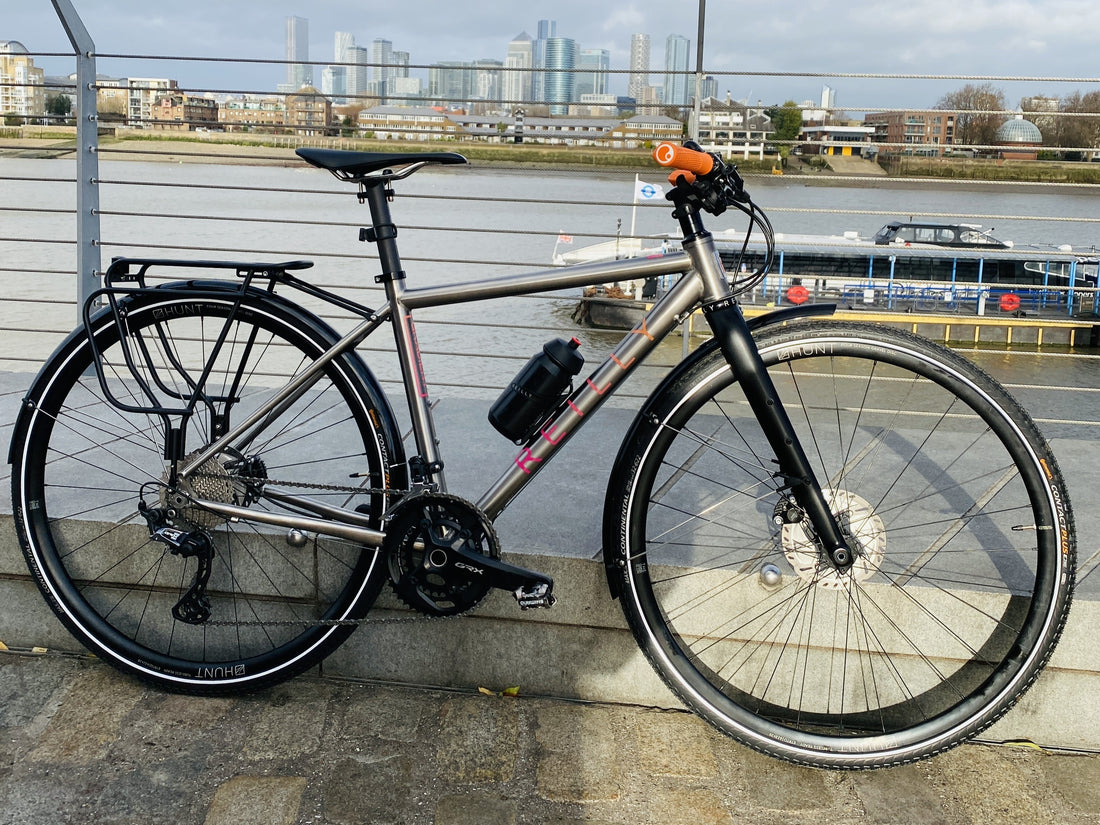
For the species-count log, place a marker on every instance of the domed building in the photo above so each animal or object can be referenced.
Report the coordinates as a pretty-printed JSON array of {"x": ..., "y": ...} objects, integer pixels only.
[{"x": 1019, "y": 139}]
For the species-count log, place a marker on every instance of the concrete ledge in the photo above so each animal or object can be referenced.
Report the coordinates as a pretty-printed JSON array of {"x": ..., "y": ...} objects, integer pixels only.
[{"x": 580, "y": 649}]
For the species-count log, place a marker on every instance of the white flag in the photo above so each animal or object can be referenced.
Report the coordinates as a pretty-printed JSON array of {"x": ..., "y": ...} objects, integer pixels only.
[{"x": 646, "y": 191}]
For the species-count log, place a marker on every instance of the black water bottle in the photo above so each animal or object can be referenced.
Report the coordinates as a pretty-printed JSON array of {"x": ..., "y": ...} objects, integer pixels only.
[{"x": 536, "y": 390}]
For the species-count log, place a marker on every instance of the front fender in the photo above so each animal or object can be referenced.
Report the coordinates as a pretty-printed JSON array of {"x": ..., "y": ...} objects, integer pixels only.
[{"x": 791, "y": 313}]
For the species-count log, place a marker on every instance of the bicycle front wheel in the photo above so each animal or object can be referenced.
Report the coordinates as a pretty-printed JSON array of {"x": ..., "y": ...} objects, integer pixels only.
[
  {"x": 946, "y": 492},
  {"x": 276, "y": 601}
]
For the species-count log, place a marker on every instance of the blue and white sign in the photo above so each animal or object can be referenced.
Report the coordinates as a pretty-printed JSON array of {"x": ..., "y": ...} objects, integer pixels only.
[{"x": 646, "y": 191}]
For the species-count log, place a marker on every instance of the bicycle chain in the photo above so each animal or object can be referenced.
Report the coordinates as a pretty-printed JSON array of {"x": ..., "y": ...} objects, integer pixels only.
[
  {"x": 338, "y": 488},
  {"x": 333, "y": 488}
]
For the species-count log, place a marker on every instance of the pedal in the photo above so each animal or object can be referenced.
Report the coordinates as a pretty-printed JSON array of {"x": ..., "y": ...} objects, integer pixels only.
[{"x": 535, "y": 595}]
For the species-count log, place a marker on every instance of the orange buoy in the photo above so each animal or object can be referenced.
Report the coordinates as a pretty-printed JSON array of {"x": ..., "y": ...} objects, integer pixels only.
[{"x": 798, "y": 294}]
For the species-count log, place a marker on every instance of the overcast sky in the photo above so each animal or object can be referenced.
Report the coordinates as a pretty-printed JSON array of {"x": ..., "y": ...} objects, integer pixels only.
[{"x": 1048, "y": 39}]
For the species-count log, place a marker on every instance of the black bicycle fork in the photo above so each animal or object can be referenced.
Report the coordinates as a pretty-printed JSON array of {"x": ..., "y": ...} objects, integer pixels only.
[{"x": 732, "y": 333}]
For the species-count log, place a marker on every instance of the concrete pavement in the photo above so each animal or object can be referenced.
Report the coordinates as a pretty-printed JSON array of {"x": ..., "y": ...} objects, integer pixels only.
[{"x": 80, "y": 743}]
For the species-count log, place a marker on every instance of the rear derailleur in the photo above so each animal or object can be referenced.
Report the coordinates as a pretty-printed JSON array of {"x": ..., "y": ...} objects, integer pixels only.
[
  {"x": 444, "y": 557},
  {"x": 194, "y": 607}
]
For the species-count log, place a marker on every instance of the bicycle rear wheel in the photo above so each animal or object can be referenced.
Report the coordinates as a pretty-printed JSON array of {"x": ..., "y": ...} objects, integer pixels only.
[
  {"x": 945, "y": 490},
  {"x": 83, "y": 469}
]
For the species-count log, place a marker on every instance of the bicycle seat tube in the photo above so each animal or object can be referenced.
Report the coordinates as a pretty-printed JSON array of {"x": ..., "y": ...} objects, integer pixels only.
[
  {"x": 729, "y": 327},
  {"x": 427, "y": 466}
]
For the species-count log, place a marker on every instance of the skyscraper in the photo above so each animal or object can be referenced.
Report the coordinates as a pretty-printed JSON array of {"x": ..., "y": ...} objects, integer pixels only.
[
  {"x": 547, "y": 30},
  {"x": 639, "y": 66},
  {"x": 357, "y": 76},
  {"x": 334, "y": 82},
  {"x": 382, "y": 57},
  {"x": 677, "y": 58},
  {"x": 341, "y": 43},
  {"x": 298, "y": 72},
  {"x": 592, "y": 69},
  {"x": 516, "y": 88},
  {"x": 561, "y": 60},
  {"x": 334, "y": 79}
]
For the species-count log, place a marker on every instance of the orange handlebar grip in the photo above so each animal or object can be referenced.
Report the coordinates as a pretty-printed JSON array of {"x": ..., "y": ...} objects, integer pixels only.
[{"x": 679, "y": 157}]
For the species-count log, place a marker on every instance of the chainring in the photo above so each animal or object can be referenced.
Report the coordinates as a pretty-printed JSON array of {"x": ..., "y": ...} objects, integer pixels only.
[{"x": 422, "y": 533}]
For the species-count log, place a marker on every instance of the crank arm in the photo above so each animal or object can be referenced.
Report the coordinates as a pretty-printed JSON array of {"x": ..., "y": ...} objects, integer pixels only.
[{"x": 530, "y": 589}]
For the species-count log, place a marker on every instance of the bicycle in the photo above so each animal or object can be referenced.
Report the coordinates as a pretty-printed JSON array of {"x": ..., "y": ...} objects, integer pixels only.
[{"x": 841, "y": 544}]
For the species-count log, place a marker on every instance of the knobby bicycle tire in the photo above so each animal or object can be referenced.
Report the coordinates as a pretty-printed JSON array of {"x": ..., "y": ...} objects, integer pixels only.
[
  {"x": 945, "y": 489},
  {"x": 277, "y": 603}
]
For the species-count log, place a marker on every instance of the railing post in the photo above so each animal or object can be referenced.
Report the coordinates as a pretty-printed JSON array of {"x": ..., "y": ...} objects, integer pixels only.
[{"x": 88, "y": 262}]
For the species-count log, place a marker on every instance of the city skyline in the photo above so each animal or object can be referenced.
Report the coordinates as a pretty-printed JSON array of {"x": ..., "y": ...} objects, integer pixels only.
[
  {"x": 945, "y": 44},
  {"x": 572, "y": 71}
]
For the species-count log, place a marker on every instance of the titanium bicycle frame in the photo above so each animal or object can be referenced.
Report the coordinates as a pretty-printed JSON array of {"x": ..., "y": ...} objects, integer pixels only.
[{"x": 704, "y": 283}]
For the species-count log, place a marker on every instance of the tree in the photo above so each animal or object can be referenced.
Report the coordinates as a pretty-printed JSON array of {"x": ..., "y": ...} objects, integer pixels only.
[
  {"x": 1073, "y": 130},
  {"x": 979, "y": 112},
  {"x": 787, "y": 120},
  {"x": 59, "y": 105}
]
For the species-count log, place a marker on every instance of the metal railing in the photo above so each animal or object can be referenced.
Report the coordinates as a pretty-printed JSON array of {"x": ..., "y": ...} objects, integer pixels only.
[{"x": 271, "y": 212}]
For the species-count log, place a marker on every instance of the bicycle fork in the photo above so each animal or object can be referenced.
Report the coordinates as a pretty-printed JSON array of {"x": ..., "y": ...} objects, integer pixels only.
[{"x": 732, "y": 333}]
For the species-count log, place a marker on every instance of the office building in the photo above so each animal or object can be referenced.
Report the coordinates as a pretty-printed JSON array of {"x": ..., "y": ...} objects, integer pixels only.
[
  {"x": 358, "y": 75},
  {"x": 382, "y": 58},
  {"x": 516, "y": 80},
  {"x": 547, "y": 29},
  {"x": 334, "y": 82},
  {"x": 593, "y": 66},
  {"x": 298, "y": 71},
  {"x": 342, "y": 42},
  {"x": 677, "y": 60},
  {"x": 561, "y": 61}
]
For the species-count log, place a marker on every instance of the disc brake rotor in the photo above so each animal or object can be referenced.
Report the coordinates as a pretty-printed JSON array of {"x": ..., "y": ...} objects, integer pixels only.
[{"x": 864, "y": 531}]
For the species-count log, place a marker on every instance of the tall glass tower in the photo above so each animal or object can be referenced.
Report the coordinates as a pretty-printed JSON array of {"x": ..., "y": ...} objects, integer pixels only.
[
  {"x": 561, "y": 60},
  {"x": 677, "y": 59},
  {"x": 639, "y": 66},
  {"x": 547, "y": 29},
  {"x": 298, "y": 72},
  {"x": 592, "y": 70},
  {"x": 516, "y": 90}
]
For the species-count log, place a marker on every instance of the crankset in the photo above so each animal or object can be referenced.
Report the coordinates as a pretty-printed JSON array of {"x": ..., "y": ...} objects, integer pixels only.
[{"x": 444, "y": 557}]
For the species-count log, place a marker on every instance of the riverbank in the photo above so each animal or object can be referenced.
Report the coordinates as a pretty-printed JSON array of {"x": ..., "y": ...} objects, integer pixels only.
[{"x": 257, "y": 149}]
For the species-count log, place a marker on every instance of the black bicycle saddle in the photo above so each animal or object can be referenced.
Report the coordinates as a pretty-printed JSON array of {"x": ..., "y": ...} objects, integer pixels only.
[{"x": 352, "y": 165}]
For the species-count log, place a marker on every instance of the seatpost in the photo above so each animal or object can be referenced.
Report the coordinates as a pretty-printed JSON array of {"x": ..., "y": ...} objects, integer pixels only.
[
  {"x": 427, "y": 467},
  {"x": 382, "y": 230}
]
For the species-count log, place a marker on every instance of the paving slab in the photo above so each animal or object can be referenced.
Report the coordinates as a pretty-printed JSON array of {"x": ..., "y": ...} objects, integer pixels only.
[{"x": 80, "y": 743}]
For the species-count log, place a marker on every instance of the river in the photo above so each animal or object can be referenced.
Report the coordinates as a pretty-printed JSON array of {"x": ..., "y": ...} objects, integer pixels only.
[
  {"x": 456, "y": 224},
  {"x": 459, "y": 224}
]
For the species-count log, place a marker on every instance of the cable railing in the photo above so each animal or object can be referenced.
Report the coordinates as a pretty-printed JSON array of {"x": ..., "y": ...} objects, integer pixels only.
[{"x": 211, "y": 198}]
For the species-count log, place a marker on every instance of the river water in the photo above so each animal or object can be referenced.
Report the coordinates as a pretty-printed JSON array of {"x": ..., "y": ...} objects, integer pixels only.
[
  {"x": 460, "y": 224},
  {"x": 456, "y": 224}
]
